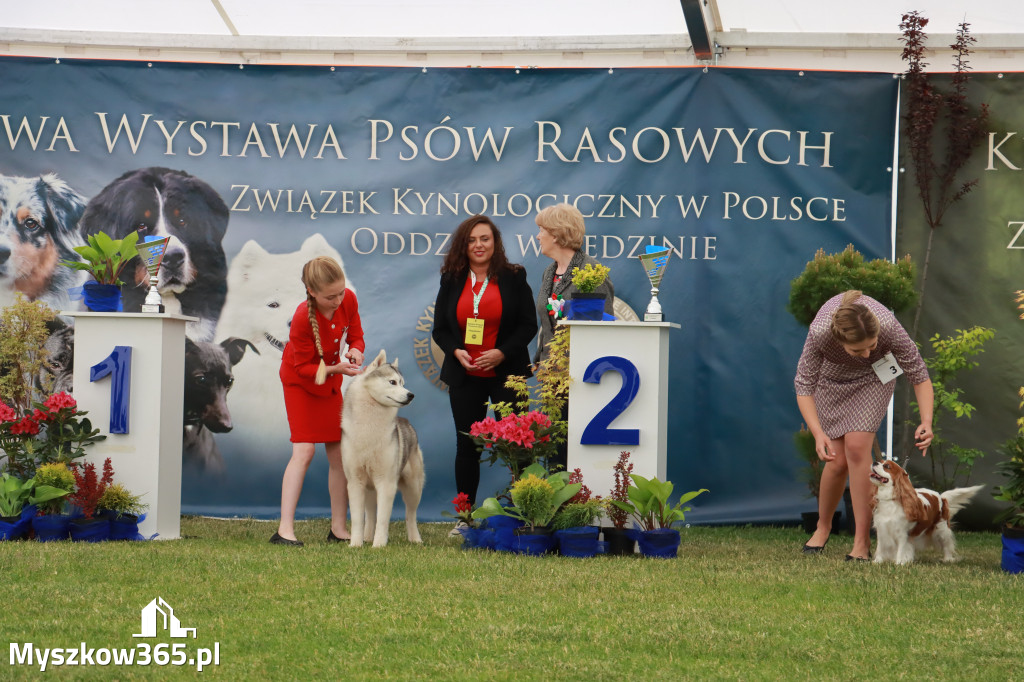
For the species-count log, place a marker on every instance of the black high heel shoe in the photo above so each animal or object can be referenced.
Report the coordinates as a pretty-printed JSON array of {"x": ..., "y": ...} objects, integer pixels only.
[{"x": 808, "y": 549}]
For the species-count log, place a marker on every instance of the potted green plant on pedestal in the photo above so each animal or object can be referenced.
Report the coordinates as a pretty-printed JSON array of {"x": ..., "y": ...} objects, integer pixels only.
[
  {"x": 649, "y": 506},
  {"x": 585, "y": 304},
  {"x": 51, "y": 522},
  {"x": 105, "y": 259},
  {"x": 123, "y": 509}
]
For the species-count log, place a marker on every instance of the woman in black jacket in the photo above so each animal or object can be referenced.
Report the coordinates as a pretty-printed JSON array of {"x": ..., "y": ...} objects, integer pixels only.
[{"x": 484, "y": 319}]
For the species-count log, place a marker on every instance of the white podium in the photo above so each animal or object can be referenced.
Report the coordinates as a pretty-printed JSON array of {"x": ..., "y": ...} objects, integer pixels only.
[
  {"x": 618, "y": 399},
  {"x": 147, "y": 458}
]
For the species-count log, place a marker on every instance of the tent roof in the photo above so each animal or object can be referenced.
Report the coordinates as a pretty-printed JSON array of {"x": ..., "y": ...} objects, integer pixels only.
[{"x": 489, "y": 18}]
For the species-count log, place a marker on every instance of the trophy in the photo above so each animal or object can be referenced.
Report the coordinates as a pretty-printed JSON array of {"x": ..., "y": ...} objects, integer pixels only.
[
  {"x": 151, "y": 251},
  {"x": 654, "y": 262}
]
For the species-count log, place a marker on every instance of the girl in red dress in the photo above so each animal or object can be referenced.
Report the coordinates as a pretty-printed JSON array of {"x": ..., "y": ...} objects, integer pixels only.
[{"x": 312, "y": 369}]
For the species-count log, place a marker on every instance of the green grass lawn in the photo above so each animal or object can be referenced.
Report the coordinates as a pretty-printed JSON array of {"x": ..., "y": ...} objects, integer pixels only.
[{"x": 738, "y": 603}]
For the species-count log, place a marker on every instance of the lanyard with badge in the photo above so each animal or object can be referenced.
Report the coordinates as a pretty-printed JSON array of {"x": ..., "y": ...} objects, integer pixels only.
[{"x": 474, "y": 325}]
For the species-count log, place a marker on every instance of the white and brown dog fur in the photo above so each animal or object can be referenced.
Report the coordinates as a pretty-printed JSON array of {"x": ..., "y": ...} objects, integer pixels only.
[
  {"x": 907, "y": 518},
  {"x": 38, "y": 229},
  {"x": 380, "y": 453}
]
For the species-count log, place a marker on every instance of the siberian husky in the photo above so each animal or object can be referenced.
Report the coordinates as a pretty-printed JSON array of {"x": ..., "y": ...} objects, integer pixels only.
[{"x": 380, "y": 453}]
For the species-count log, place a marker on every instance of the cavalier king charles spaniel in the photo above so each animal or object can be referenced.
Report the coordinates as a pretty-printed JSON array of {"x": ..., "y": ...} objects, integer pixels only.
[{"x": 907, "y": 518}]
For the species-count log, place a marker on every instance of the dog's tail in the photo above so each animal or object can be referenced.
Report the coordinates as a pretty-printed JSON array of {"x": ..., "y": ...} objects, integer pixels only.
[{"x": 957, "y": 498}]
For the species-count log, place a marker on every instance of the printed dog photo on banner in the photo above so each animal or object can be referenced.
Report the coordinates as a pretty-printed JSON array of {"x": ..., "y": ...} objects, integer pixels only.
[
  {"x": 160, "y": 202},
  {"x": 39, "y": 219},
  {"x": 263, "y": 290}
]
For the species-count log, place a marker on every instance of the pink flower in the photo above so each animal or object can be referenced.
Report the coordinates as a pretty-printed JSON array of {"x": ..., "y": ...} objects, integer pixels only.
[
  {"x": 483, "y": 428},
  {"x": 26, "y": 426},
  {"x": 58, "y": 401},
  {"x": 7, "y": 413}
]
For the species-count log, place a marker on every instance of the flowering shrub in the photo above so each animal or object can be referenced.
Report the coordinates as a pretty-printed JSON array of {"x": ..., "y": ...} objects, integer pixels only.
[
  {"x": 517, "y": 440},
  {"x": 622, "y": 469},
  {"x": 56, "y": 431},
  {"x": 89, "y": 490},
  {"x": 589, "y": 277},
  {"x": 463, "y": 510}
]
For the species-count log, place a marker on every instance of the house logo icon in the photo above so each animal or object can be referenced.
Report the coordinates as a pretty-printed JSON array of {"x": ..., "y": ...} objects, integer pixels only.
[{"x": 158, "y": 611}]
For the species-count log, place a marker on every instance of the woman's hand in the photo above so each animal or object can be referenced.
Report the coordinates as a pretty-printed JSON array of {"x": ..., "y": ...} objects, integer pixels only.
[
  {"x": 490, "y": 359},
  {"x": 355, "y": 357},
  {"x": 923, "y": 435},
  {"x": 462, "y": 355},
  {"x": 821, "y": 446},
  {"x": 349, "y": 369}
]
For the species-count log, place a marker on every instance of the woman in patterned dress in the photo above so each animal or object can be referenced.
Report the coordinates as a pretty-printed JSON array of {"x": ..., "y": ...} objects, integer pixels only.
[{"x": 843, "y": 402}]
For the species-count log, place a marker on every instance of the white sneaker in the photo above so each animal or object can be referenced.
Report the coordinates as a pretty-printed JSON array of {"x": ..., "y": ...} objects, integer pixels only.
[{"x": 457, "y": 530}]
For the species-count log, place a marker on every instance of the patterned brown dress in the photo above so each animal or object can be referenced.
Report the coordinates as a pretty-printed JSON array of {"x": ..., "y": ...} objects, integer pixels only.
[{"x": 847, "y": 393}]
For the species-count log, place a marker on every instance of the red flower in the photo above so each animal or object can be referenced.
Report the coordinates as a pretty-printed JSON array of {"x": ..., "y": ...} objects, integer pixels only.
[
  {"x": 462, "y": 503},
  {"x": 7, "y": 413},
  {"x": 59, "y": 401},
  {"x": 41, "y": 416},
  {"x": 27, "y": 426}
]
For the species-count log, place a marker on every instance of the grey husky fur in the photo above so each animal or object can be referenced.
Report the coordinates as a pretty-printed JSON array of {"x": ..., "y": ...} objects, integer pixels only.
[{"x": 380, "y": 453}]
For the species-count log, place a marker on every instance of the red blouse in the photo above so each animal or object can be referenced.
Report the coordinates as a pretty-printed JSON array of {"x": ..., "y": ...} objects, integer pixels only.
[
  {"x": 301, "y": 359},
  {"x": 489, "y": 311}
]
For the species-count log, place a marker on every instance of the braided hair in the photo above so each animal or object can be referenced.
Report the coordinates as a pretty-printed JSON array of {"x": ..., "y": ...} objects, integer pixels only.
[
  {"x": 317, "y": 274},
  {"x": 853, "y": 322}
]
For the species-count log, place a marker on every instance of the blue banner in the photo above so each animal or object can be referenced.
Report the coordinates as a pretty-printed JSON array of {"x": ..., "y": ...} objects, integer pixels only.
[{"x": 744, "y": 174}]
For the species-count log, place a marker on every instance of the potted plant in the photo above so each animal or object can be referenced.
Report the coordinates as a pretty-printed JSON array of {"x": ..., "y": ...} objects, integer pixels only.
[
  {"x": 123, "y": 509},
  {"x": 575, "y": 533},
  {"x": 536, "y": 498},
  {"x": 518, "y": 440},
  {"x": 18, "y": 501},
  {"x": 88, "y": 491},
  {"x": 1012, "y": 491},
  {"x": 585, "y": 304},
  {"x": 617, "y": 535},
  {"x": 105, "y": 259},
  {"x": 649, "y": 506},
  {"x": 51, "y": 523},
  {"x": 55, "y": 431},
  {"x": 467, "y": 527}
]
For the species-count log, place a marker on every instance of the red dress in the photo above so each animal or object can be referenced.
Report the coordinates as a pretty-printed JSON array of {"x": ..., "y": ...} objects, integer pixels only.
[{"x": 314, "y": 412}]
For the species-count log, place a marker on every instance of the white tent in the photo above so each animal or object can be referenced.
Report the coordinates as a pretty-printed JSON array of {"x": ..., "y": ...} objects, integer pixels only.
[{"x": 765, "y": 33}]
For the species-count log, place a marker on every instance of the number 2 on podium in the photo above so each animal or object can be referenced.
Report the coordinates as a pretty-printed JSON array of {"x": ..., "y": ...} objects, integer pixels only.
[
  {"x": 597, "y": 431},
  {"x": 119, "y": 366}
]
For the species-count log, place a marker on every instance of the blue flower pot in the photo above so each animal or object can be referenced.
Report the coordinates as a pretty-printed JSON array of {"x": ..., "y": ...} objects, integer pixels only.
[
  {"x": 660, "y": 542},
  {"x": 51, "y": 527},
  {"x": 585, "y": 307},
  {"x": 504, "y": 532},
  {"x": 124, "y": 527},
  {"x": 96, "y": 529},
  {"x": 102, "y": 298},
  {"x": 534, "y": 543},
  {"x": 1013, "y": 550},
  {"x": 580, "y": 541}
]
